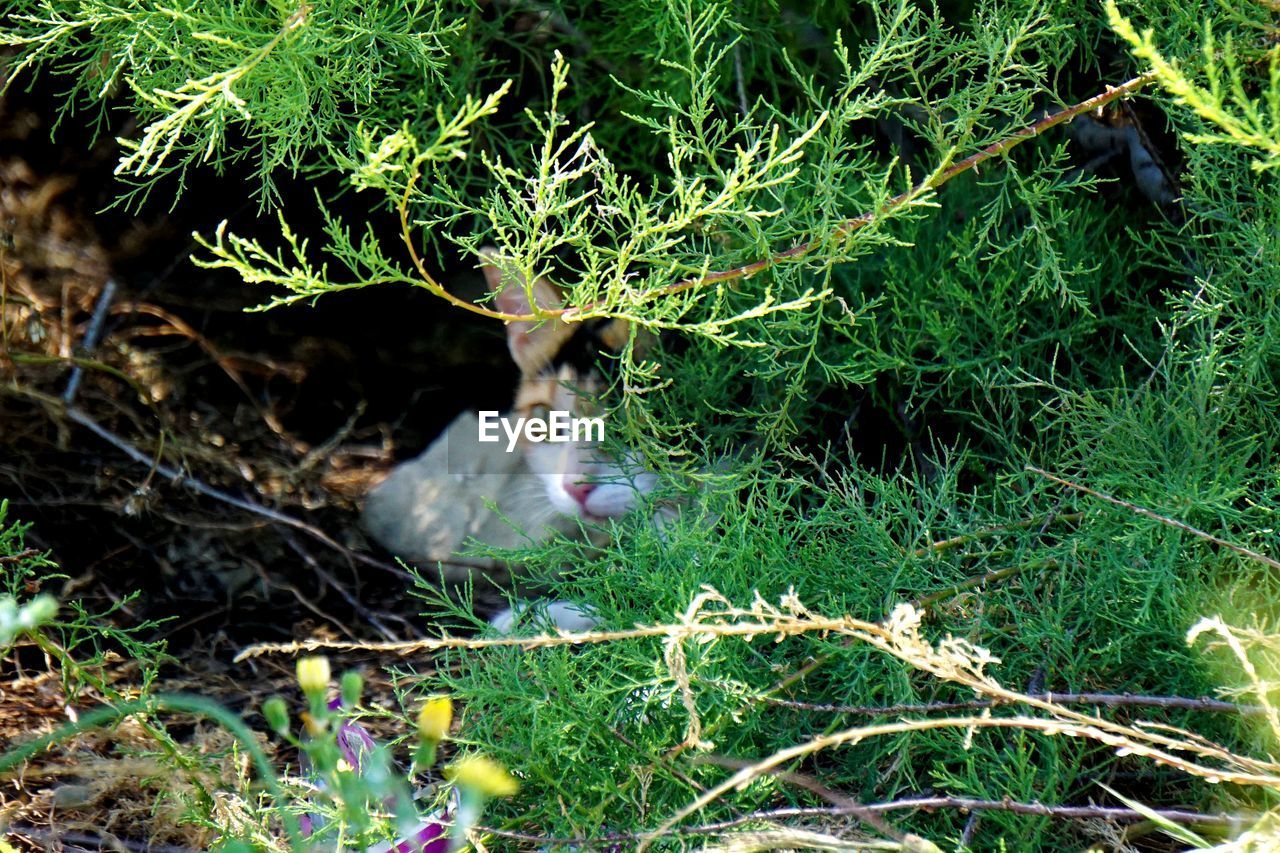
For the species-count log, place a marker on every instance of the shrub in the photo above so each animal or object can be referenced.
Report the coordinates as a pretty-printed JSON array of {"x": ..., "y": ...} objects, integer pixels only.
[{"x": 1025, "y": 394}]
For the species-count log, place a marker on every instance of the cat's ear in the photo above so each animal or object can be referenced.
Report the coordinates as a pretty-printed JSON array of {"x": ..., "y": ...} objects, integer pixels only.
[
  {"x": 616, "y": 333},
  {"x": 532, "y": 344}
]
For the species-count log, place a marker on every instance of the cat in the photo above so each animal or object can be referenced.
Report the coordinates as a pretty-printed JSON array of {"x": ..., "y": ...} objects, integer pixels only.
[
  {"x": 429, "y": 507},
  {"x": 561, "y": 370}
]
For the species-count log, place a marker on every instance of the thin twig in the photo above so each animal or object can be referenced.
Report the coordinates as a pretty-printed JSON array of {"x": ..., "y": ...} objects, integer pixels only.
[
  {"x": 91, "y": 336},
  {"x": 664, "y": 760},
  {"x": 428, "y": 280},
  {"x": 898, "y": 201},
  {"x": 105, "y": 841},
  {"x": 897, "y": 636},
  {"x": 175, "y": 475},
  {"x": 1111, "y": 813},
  {"x": 1155, "y": 516},
  {"x": 1110, "y": 700},
  {"x": 928, "y": 601},
  {"x": 966, "y": 538},
  {"x": 836, "y": 798},
  {"x": 19, "y": 557},
  {"x": 354, "y": 603},
  {"x": 1096, "y": 731}
]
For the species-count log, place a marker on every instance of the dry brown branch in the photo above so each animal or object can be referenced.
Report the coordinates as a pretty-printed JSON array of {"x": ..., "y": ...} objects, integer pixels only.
[
  {"x": 1124, "y": 745},
  {"x": 1155, "y": 516},
  {"x": 573, "y": 314},
  {"x": 846, "y": 803},
  {"x": 337, "y": 586},
  {"x": 923, "y": 603},
  {"x": 958, "y": 661},
  {"x": 952, "y": 659},
  {"x": 1110, "y": 700},
  {"x": 175, "y": 475},
  {"x": 1090, "y": 812}
]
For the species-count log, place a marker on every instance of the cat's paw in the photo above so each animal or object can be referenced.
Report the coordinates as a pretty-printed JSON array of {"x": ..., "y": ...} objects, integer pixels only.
[{"x": 544, "y": 616}]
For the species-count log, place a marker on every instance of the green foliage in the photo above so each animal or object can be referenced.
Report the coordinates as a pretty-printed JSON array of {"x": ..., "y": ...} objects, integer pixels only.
[
  {"x": 210, "y": 83},
  {"x": 835, "y": 413},
  {"x": 20, "y": 566},
  {"x": 1223, "y": 100},
  {"x": 82, "y": 641},
  {"x": 83, "y": 645}
]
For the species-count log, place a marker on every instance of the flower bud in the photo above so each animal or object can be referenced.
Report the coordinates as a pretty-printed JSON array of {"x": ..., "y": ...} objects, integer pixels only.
[
  {"x": 434, "y": 719},
  {"x": 277, "y": 714},
  {"x": 313, "y": 675},
  {"x": 482, "y": 775},
  {"x": 352, "y": 685}
]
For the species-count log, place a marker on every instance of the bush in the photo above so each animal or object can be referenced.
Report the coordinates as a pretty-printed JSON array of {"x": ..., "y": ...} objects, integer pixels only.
[{"x": 1037, "y": 395}]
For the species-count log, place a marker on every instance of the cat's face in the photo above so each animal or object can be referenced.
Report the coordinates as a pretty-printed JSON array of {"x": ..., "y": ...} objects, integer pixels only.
[{"x": 560, "y": 366}]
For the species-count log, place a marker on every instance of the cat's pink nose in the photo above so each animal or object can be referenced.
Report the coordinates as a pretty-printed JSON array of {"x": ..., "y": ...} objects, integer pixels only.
[{"x": 580, "y": 491}]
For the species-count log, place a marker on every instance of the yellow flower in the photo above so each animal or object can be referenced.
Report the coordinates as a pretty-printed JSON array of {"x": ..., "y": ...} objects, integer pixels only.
[
  {"x": 313, "y": 674},
  {"x": 434, "y": 718},
  {"x": 483, "y": 775}
]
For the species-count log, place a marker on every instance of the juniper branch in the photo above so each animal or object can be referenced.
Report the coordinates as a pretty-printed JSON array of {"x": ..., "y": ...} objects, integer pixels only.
[
  {"x": 941, "y": 176},
  {"x": 1163, "y": 519}
]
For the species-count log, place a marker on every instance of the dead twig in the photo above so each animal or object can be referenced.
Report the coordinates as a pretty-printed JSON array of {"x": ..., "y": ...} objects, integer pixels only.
[
  {"x": 1097, "y": 731},
  {"x": 178, "y": 326},
  {"x": 175, "y": 475},
  {"x": 324, "y": 575},
  {"x": 837, "y": 798},
  {"x": 966, "y": 804},
  {"x": 302, "y": 598},
  {"x": 928, "y": 601},
  {"x": 105, "y": 841},
  {"x": 1110, "y": 700},
  {"x": 91, "y": 338}
]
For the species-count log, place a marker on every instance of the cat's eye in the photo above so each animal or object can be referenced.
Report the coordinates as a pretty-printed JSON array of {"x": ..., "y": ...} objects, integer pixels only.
[{"x": 539, "y": 412}]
